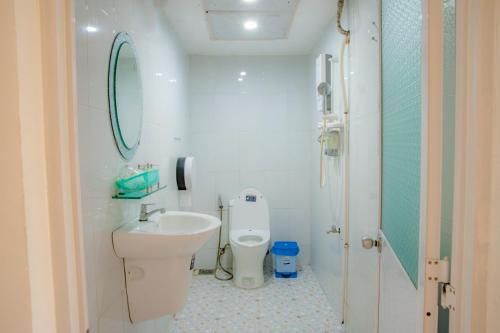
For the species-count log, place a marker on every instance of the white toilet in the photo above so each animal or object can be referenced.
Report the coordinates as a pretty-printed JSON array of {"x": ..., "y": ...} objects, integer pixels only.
[{"x": 249, "y": 237}]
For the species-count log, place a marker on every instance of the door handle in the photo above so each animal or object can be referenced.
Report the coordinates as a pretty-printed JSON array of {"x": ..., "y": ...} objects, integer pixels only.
[{"x": 368, "y": 243}]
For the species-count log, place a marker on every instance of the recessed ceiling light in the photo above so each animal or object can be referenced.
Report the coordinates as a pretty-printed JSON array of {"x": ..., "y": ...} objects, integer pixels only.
[
  {"x": 91, "y": 28},
  {"x": 250, "y": 25},
  {"x": 240, "y": 79},
  {"x": 249, "y": 1},
  {"x": 243, "y": 73}
]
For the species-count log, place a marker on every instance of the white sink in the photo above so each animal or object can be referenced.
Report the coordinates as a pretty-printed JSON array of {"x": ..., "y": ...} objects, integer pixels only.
[
  {"x": 166, "y": 235},
  {"x": 157, "y": 257}
]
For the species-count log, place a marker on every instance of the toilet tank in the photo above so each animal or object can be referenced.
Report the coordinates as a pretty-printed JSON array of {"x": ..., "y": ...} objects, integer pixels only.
[{"x": 249, "y": 211}]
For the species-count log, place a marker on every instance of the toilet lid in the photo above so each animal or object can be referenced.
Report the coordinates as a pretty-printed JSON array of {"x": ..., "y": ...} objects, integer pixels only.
[{"x": 250, "y": 211}]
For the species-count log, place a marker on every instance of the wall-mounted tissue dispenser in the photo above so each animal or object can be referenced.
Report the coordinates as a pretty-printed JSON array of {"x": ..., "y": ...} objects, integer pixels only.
[{"x": 184, "y": 173}]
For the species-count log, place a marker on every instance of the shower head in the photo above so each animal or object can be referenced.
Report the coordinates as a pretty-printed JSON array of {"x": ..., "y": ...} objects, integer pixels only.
[{"x": 324, "y": 89}]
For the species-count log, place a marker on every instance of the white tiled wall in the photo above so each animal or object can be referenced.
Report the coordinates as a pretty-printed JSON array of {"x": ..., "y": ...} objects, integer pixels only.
[
  {"x": 164, "y": 70},
  {"x": 362, "y": 59},
  {"x": 253, "y": 133},
  {"x": 327, "y": 207},
  {"x": 365, "y": 150}
]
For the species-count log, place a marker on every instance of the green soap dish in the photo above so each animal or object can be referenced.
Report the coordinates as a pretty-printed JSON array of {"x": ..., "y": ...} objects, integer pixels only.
[{"x": 139, "y": 182}]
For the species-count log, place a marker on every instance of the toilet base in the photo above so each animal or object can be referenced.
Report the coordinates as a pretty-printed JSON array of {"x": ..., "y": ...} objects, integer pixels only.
[
  {"x": 248, "y": 282},
  {"x": 248, "y": 275}
]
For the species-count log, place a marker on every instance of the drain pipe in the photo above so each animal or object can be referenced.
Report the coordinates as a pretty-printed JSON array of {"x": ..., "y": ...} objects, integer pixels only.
[{"x": 345, "y": 262}]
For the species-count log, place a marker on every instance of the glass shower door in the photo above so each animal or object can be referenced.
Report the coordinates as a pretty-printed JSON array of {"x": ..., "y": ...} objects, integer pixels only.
[{"x": 401, "y": 164}]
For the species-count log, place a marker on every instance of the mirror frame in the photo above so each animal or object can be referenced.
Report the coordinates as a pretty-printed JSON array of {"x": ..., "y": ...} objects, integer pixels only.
[{"x": 126, "y": 152}]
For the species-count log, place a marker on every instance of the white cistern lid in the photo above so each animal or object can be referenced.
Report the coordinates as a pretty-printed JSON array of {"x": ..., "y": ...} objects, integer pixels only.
[{"x": 250, "y": 211}]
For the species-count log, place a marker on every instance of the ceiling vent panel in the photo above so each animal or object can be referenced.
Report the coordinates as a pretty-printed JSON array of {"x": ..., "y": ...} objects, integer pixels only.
[
  {"x": 251, "y": 5},
  {"x": 231, "y": 26},
  {"x": 272, "y": 19}
]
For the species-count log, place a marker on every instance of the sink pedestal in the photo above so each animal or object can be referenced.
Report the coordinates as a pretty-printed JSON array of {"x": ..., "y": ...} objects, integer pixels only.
[
  {"x": 156, "y": 287},
  {"x": 157, "y": 257}
]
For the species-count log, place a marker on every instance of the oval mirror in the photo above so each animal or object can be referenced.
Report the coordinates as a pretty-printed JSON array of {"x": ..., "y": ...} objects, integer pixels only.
[{"x": 125, "y": 95}]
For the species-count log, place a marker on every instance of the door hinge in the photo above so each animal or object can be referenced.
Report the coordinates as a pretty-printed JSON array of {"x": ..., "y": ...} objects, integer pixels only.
[
  {"x": 438, "y": 270},
  {"x": 448, "y": 297}
]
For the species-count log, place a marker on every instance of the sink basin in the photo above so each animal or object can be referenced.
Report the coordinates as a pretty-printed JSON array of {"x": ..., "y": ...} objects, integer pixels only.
[
  {"x": 166, "y": 235},
  {"x": 157, "y": 256}
]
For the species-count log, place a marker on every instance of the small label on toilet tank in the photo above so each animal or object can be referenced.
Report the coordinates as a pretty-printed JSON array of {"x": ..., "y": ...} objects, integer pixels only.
[{"x": 251, "y": 198}]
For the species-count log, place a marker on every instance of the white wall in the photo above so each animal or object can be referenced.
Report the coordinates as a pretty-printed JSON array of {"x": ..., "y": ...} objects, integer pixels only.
[
  {"x": 254, "y": 133},
  {"x": 365, "y": 154},
  {"x": 362, "y": 71},
  {"x": 326, "y": 203},
  {"x": 164, "y": 137}
]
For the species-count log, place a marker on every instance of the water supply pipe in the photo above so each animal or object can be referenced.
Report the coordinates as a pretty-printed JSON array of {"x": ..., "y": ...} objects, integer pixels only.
[{"x": 345, "y": 262}]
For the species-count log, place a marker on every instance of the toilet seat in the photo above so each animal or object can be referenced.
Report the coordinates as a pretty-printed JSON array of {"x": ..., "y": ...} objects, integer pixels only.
[{"x": 250, "y": 238}]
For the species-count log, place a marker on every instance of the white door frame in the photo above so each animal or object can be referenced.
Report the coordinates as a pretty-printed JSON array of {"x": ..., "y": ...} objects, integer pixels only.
[
  {"x": 432, "y": 155},
  {"x": 476, "y": 234},
  {"x": 474, "y": 269}
]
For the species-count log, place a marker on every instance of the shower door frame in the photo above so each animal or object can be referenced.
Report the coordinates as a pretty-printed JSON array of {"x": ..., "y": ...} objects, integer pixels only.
[
  {"x": 432, "y": 159},
  {"x": 475, "y": 105}
]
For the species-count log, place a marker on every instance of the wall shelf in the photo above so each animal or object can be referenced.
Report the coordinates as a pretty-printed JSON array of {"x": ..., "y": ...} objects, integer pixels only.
[{"x": 138, "y": 194}]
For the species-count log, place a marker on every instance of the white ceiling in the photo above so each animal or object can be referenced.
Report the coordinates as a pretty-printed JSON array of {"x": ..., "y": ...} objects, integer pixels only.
[{"x": 194, "y": 28}]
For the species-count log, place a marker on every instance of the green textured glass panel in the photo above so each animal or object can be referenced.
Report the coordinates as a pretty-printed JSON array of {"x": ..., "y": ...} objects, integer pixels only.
[
  {"x": 449, "y": 89},
  {"x": 401, "y": 129}
]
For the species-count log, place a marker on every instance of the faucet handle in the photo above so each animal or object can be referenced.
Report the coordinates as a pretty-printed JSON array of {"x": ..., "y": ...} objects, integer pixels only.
[{"x": 144, "y": 206}]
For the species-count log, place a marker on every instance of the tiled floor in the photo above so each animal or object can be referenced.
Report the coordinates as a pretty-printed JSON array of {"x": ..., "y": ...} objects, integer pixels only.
[{"x": 281, "y": 305}]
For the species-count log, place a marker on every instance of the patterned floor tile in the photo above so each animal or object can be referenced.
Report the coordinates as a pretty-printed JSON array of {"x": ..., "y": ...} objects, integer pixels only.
[{"x": 281, "y": 305}]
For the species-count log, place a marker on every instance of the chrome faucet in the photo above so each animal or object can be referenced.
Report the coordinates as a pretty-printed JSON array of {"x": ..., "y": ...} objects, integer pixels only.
[{"x": 144, "y": 216}]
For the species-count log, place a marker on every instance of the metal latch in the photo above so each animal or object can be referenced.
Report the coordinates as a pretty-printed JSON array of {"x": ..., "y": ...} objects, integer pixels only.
[
  {"x": 448, "y": 297},
  {"x": 438, "y": 270}
]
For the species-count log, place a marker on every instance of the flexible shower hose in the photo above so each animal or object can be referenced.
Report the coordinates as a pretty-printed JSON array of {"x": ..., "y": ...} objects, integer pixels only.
[
  {"x": 322, "y": 178},
  {"x": 221, "y": 251}
]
